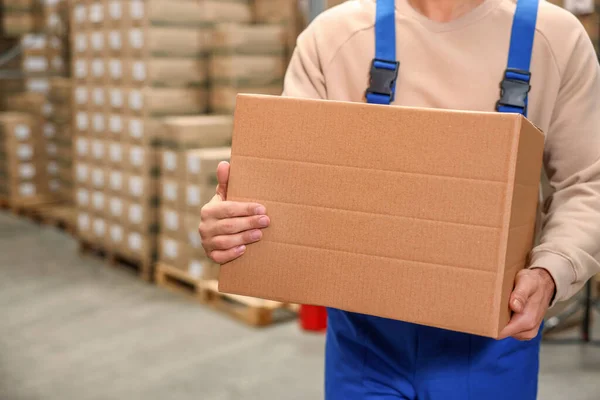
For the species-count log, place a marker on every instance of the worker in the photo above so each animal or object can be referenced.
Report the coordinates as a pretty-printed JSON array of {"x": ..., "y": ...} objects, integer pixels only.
[{"x": 528, "y": 57}]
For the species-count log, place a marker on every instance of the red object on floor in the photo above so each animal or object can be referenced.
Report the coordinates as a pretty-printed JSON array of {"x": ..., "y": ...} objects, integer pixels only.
[{"x": 313, "y": 318}]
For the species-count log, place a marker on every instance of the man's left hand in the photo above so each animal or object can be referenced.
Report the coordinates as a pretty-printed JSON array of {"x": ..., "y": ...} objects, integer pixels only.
[{"x": 534, "y": 289}]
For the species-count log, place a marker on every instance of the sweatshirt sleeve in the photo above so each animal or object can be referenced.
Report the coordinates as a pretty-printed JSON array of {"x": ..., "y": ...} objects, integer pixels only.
[
  {"x": 569, "y": 246},
  {"x": 304, "y": 76}
]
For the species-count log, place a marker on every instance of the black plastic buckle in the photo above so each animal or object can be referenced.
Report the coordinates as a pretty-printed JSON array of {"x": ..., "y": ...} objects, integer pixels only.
[
  {"x": 382, "y": 79},
  {"x": 514, "y": 90}
]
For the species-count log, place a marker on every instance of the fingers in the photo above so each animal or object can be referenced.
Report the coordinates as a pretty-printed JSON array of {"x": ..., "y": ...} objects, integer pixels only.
[
  {"x": 230, "y": 209},
  {"x": 226, "y": 242},
  {"x": 525, "y": 287},
  {"x": 521, "y": 326},
  {"x": 225, "y": 256},
  {"x": 222, "y": 179}
]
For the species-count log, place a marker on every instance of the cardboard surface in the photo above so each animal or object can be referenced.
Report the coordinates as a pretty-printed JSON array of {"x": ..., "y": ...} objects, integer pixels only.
[{"x": 413, "y": 214}]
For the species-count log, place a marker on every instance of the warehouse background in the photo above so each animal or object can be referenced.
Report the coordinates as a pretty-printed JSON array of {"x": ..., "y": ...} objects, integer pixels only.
[{"x": 114, "y": 115}]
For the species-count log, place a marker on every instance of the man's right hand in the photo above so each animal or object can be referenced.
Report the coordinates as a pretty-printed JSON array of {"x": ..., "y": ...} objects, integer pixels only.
[{"x": 226, "y": 227}]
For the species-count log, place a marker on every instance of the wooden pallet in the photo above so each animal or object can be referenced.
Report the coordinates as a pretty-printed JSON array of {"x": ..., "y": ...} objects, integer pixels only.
[
  {"x": 142, "y": 268},
  {"x": 249, "y": 310},
  {"x": 61, "y": 216}
]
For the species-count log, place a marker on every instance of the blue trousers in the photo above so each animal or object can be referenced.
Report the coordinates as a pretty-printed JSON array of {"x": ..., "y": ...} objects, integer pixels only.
[{"x": 370, "y": 358}]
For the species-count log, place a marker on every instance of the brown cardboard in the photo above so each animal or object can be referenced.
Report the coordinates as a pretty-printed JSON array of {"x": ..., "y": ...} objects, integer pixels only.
[
  {"x": 229, "y": 38},
  {"x": 173, "y": 252},
  {"x": 84, "y": 224},
  {"x": 98, "y": 178},
  {"x": 196, "y": 196},
  {"x": 222, "y": 96},
  {"x": 172, "y": 193},
  {"x": 181, "y": 134},
  {"x": 167, "y": 41},
  {"x": 153, "y": 101},
  {"x": 82, "y": 174},
  {"x": 247, "y": 69},
  {"x": 82, "y": 198},
  {"x": 274, "y": 11},
  {"x": 201, "y": 165},
  {"x": 98, "y": 202},
  {"x": 117, "y": 209},
  {"x": 117, "y": 236},
  {"x": 164, "y": 72},
  {"x": 117, "y": 181},
  {"x": 424, "y": 216},
  {"x": 164, "y": 12},
  {"x": 140, "y": 217},
  {"x": 226, "y": 11},
  {"x": 172, "y": 224}
]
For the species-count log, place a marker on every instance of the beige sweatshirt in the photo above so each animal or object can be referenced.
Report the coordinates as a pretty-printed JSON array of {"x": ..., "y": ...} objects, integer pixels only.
[{"x": 459, "y": 65}]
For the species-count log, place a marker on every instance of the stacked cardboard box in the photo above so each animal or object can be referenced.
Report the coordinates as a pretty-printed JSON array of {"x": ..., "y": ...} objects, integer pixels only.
[
  {"x": 57, "y": 130},
  {"x": 19, "y": 171},
  {"x": 134, "y": 63},
  {"x": 19, "y": 17},
  {"x": 286, "y": 13},
  {"x": 39, "y": 109},
  {"x": 191, "y": 149},
  {"x": 245, "y": 59}
]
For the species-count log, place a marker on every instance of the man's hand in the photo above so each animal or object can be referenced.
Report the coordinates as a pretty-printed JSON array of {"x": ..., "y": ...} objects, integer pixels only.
[
  {"x": 226, "y": 227},
  {"x": 529, "y": 300}
]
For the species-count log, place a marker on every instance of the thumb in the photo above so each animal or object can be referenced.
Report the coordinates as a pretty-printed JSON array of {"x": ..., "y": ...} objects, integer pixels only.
[
  {"x": 524, "y": 288},
  {"x": 222, "y": 179}
]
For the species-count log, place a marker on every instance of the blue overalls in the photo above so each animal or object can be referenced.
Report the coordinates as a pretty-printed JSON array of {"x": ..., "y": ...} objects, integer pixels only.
[{"x": 371, "y": 358}]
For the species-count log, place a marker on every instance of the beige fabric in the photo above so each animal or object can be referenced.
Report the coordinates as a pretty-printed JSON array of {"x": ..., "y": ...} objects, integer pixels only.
[{"x": 458, "y": 65}]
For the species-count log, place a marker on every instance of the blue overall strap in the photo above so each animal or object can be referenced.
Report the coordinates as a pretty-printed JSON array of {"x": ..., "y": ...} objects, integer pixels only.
[
  {"x": 516, "y": 83},
  {"x": 384, "y": 67}
]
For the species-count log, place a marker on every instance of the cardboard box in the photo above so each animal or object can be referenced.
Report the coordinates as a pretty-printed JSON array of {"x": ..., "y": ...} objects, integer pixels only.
[
  {"x": 116, "y": 210},
  {"x": 98, "y": 178},
  {"x": 167, "y": 72},
  {"x": 222, "y": 96},
  {"x": 173, "y": 252},
  {"x": 274, "y": 11},
  {"x": 155, "y": 102},
  {"x": 142, "y": 187},
  {"x": 95, "y": 13},
  {"x": 202, "y": 165},
  {"x": 81, "y": 69},
  {"x": 140, "y": 159},
  {"x": 167, "y": 41},
  {"x": 196, "y": 196},
  {"x": 117, "y": 181},
  {"x": 81, "y": 97},
  {"x": 181, "y": 134},
  {"x": 231, "y": 38},
  {"x": 99, "y": 234},
  {"x": 61, "y": 90},
  {"x": 140, "y": 246},
  {"x": 172, "y": 224},
  {"x": 117, "y": 236},
  {"x": 192, "y": 237},
  {"x": 116, "y": 126},
  {"x": 82, "y": 174},
  {"x": 226, "y": 11},
  {"x": 442, "y": 201},
  {"x": 115, "y": 42},
  {"x": 250, "y": 70},
  {"x": 164, "y": 12},
  {"x": 17, "y": 23},
  {"x": 82, "y": 122},
  {"x": 84, "y": 225},
  {"x": 172, "y": 193},
  {"x": 141, "y": 217},
  {"x": 98, "y": 151},
  {"x": 98, "y": 203},
  {"x": 114, "y": 12},
  {"x": 116, "y": 74},
  {"x": 142, "y": 129},
  {"x": 38, "y": 85}
]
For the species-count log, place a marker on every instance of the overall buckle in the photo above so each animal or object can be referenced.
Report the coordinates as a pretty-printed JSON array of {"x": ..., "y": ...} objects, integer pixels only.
[
  {"x": 383, "y": 78},
  {"x": 514, "y": 89}
]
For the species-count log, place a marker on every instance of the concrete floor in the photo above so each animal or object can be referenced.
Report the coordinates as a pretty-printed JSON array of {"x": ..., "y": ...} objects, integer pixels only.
[{"x": 71, "y": 328}]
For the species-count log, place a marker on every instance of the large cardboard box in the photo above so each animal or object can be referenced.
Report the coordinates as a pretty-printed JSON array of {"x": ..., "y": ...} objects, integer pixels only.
[
  {"x": 181, "y": 134},
  {"x": 419, "y": 215},
  {"x": 167, "y": 41},
  {"x": 157, "y": 102},
  {"x": 227, "y": 11},
  {"x": 165, "y": 72},
  {"x": 164, "y": 12},
  {"x": 231, "y": 38}
]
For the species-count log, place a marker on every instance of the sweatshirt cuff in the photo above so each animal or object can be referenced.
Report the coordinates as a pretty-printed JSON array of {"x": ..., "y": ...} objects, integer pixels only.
[{"x": 559, "y": 267}]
